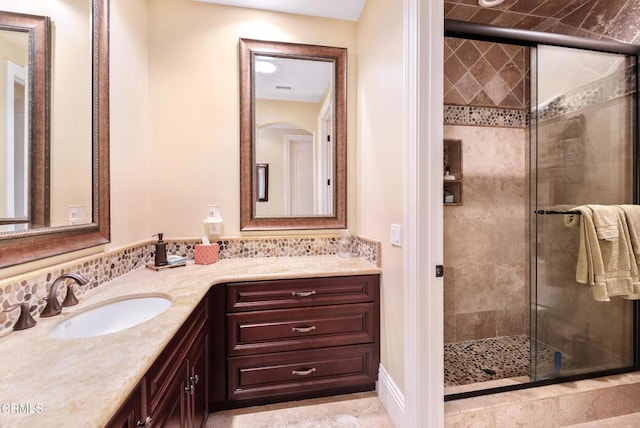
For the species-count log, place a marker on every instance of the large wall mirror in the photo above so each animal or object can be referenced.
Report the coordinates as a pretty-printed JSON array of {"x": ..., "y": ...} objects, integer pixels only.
[
  {"x": 54, "y": 128},
  {"x": 292, "y": 136}
]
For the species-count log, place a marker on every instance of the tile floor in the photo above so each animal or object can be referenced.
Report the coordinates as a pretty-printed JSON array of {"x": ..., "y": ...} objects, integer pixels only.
[{"x": 361, "y": 410}]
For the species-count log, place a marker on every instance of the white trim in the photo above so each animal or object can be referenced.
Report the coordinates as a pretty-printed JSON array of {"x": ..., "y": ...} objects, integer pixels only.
[
  {"x": 423, "y": 296},
  {"x": 390, "y": 396}
]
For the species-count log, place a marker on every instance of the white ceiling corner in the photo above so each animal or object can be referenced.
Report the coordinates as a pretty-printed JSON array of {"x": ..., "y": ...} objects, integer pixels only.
[{"x": 348, "y": 10}]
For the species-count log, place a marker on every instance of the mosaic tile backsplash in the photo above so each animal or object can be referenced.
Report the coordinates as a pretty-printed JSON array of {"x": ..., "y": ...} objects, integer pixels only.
[{"x": 102, "y": 268}]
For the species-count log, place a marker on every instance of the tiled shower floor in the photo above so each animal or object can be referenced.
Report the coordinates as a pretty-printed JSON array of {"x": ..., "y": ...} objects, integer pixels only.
[{"x": 484, "y": 360}]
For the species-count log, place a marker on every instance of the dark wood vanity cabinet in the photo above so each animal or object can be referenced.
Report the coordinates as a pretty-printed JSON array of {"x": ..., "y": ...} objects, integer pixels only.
[
  {"x": 130, "y": 413},
  {"x": 265, "y": 341},
  {"x": 290, "y": 339},
  {"x": 174, "y": 391},
  {"x": 176, "y": 384}
]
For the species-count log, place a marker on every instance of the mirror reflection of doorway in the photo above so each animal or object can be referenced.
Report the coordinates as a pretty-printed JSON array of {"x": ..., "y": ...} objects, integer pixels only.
[
  {"x": 16, "y": 168},
  {"x": 298, "y": 175}
]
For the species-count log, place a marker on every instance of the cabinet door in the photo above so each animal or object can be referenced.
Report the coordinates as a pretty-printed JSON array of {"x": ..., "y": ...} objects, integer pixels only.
[
  {"x": 130, "y": 412},
  {"x": 172, "y": 410},
  {"x": 198, "y": 376}
]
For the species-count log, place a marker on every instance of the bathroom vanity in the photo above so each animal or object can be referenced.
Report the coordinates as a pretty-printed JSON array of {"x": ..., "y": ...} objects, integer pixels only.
[
  {"x": 280, "y": 340},
  {"x": 229, "y": 325}
]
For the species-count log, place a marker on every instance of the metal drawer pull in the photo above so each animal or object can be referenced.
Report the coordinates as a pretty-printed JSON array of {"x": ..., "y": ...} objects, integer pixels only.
[
  {"x": 303, "y": 329},
  {"x": 303, "y": 372},
  {"x": 303, "y": 293},
  {"x": 147, "y": 423}
]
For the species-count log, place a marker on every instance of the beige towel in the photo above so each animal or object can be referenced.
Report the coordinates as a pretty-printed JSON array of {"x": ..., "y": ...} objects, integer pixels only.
[
  {"x": 607, "y": 265},
  {"x": 632, "y": 215},
  {"x": 605, "y": 219}
]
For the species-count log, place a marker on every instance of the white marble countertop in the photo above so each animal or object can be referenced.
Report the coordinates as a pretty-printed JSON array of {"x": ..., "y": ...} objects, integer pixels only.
[{"x": 82, "y": 382}]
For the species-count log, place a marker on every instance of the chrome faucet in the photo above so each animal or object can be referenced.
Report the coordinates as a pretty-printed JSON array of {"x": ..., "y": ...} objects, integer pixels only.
[{"x": 53, "y": 307}]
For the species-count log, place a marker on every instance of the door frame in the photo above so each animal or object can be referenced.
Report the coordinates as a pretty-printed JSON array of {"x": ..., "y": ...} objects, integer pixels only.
[
  {"x": 423, "y": 220},
  {"x": 288, "y": 138}
]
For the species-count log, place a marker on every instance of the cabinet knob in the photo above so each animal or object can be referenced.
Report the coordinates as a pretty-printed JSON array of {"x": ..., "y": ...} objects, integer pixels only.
[
  {"x": 303, "y": 293},
  {"x": 303, "y": 372},
  {"x": 194, "y": 379},
  {"x": 146, "y": 423},
  {"x": 189, "y": 389}
]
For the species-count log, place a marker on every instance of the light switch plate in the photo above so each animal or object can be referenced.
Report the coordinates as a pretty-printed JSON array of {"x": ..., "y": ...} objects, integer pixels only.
[{"x": 396, "y": 235}]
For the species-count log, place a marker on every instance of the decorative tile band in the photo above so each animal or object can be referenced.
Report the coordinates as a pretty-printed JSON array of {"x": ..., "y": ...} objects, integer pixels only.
[
  {"x": 484, "y": 116},
  {"x": 617, "y": 85},
  {"x": 32, "y": 287}
]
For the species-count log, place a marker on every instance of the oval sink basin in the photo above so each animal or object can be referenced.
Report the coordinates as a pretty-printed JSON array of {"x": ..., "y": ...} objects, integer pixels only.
[{"x": 111, "y": 317}]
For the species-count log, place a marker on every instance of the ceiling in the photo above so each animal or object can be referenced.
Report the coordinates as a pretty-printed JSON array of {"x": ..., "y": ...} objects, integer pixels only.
[
  {"x": 599, "y": 19},
  {"x": 348, "y": 10},
  {"x": 295, "y": 80}
]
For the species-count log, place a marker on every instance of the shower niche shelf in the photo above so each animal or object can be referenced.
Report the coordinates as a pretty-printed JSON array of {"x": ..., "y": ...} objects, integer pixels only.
[{"x": 452, "y": 192}]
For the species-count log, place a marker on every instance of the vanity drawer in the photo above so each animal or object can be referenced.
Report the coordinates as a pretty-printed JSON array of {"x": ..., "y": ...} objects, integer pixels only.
[
  {"x": 293, "y": 372},
  {"x": 291, "y": 293},
  {"x": 300, "y": 328}
]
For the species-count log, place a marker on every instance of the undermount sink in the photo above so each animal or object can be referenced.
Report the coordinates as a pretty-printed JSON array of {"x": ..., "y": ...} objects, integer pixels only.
[{"x": 111, "y": 317}]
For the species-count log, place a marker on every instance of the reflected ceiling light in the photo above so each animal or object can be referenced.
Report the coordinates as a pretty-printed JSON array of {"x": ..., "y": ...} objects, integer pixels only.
[
  {"x": 489, "y": 3},
  {"x": 265, "y": 67}
]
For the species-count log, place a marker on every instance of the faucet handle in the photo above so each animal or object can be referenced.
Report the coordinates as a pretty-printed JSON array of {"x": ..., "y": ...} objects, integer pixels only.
[
  {"x": 52, "y": 307},
  {"x": 70, "y": 299},
  {"x": 25, "y": 320}
]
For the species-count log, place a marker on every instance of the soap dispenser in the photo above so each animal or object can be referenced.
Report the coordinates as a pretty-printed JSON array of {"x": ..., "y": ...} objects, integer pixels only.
[{"x": 161, "y": 251}]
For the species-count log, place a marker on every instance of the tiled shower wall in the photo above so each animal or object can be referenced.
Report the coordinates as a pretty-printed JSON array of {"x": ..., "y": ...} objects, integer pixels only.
[
  {"x": 485, "y": 238},
  {"x": 486, "y": 93}
]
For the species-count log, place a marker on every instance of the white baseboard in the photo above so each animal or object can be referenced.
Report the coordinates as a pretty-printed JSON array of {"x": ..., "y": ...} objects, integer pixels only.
[{"x": 391, "y": 397}]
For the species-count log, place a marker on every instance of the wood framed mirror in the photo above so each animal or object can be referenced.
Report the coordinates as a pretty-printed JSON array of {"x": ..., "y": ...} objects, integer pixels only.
[
  {"x": 85, "y": 113},
  {"x": 293, "y": 117},
  {"x": 25, "y": 46}
]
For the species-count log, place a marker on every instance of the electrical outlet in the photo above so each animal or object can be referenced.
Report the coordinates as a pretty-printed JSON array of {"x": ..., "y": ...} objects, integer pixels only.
[
  {"x": 396, "y": 235},
  {"x": 75, "y": 212}
]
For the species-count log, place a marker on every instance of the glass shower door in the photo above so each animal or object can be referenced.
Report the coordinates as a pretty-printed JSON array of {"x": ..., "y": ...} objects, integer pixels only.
[{"x": 581, "y": 152}]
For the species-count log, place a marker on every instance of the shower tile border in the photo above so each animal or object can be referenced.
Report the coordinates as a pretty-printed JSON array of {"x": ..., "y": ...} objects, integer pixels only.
[
  {"x": 32, "y": 287},
  {"x": 601, "y": 91},
  {"x": 484, "y": 116}
]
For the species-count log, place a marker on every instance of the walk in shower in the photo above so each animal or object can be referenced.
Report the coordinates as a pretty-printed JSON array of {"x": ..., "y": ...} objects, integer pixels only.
[{"x": 514, "y": 313}]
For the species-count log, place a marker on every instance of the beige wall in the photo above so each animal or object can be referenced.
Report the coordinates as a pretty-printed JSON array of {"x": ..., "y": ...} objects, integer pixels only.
[
  {"x": 270, "y": 143},
  {"x": 193, "y": 87},
  {"x": 130, "y": 150},
  {"x": 380, "y": 134},
  {"x": 270, "y": 150},
  {"x": 303, "y": 115}
]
